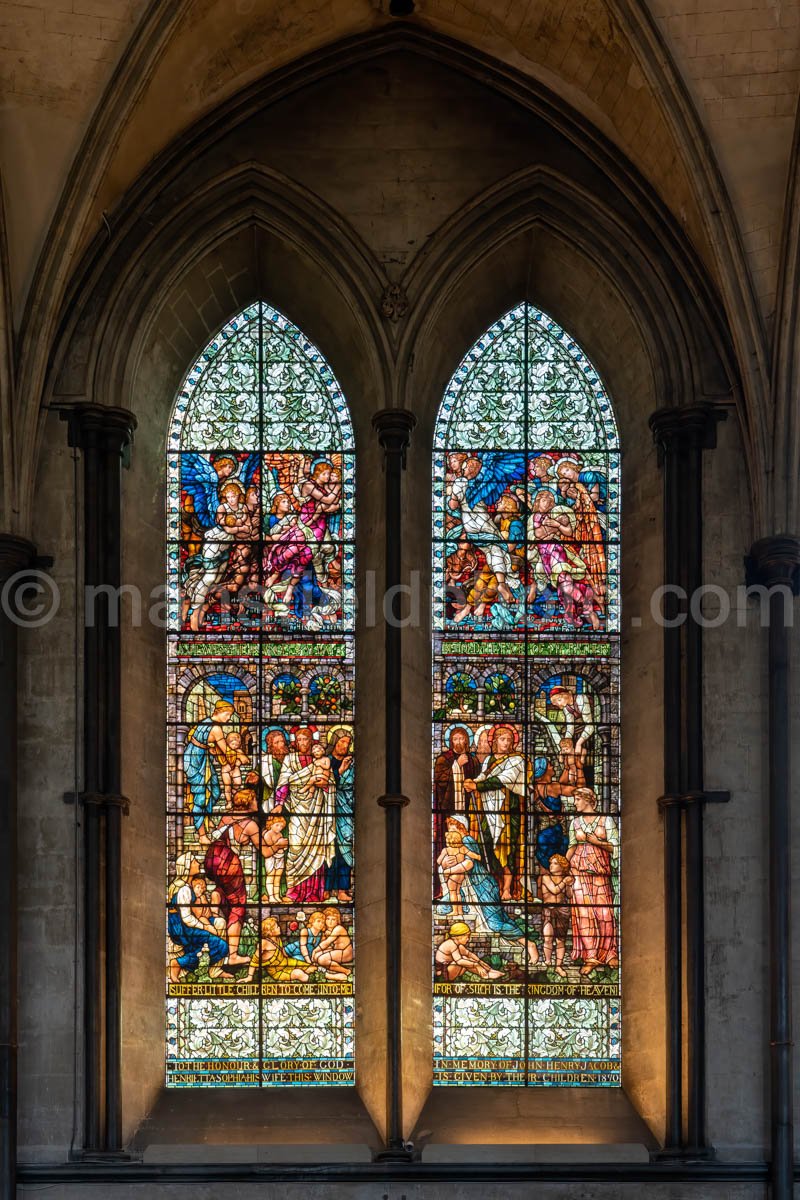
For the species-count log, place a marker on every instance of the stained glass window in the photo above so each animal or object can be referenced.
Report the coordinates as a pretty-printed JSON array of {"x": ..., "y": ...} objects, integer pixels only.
[
  {"x": 259, "y": 913},
  {"x": 526, "y": 495}
]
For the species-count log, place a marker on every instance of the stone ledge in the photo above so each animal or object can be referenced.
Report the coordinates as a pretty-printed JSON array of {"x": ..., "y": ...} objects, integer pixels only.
[
  {"x": 246, "y": 1125},
  {"x": 299, "y": 1152},
  {"x": 543, "y": 1153}
]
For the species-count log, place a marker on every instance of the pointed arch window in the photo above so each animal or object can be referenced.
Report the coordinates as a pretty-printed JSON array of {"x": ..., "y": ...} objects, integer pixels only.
[
  {"x": 260, "y": 528},
  {"x": 526, "y": 501}
]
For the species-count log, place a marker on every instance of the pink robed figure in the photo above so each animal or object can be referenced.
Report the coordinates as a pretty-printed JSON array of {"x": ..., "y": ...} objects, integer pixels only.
[{"x": 593, "y": 854}]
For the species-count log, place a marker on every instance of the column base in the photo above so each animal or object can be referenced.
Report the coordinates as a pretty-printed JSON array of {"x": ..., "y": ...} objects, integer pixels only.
[
  {"x": 103, "y": 1156},
  {"x": 684, "y": 1154},
  {"x": 395, "y": 1154}
]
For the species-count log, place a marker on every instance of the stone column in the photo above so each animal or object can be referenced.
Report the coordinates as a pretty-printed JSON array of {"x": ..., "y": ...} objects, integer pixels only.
[
  {"x": 394, "y": 428},
  {"x": 103, "y": 435},
  {"x": 774, "y": 563},
  {"x": 681, "y": 435},
  {"x": 16, "y": 554}
]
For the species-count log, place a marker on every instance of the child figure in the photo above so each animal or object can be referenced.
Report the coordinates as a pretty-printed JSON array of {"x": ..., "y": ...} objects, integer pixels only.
[
  {"x": 271, "y": 958},
  {"x": 555, "y": 890},
  {"x": 274, "y": 844},
  {"x": 321, "y": 766},
  {"x": 231, "y": 760},
  {"x": 309, "y": 939},
  {"x": 318, "y": 774},
  {"x": 572, "y": 761},
  {"x": 246, "y": 530},
  {"x": 335, "y": 951},
  {"x": 453, "y": 956},
  {"x": 206, "y": 906},
  {"x": 453, "y": 863}
]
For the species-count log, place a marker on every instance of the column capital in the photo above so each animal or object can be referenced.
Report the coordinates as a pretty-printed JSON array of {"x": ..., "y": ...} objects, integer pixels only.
[
  {"x": 16, "y": 553},
  {"x": 775, "y": 560},
  {"x": 89, "y": 422},
  {"x": 693, "y": 424},
  {"x": 394, "y": 426}
]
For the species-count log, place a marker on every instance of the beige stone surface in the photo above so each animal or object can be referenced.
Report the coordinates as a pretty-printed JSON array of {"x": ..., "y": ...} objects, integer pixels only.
[
  {"x": 739, "y": 59},
  {"x": 741, "y": 62},
  {"x": 377, "y": 161},
  {"x": 56, "y": 57}
]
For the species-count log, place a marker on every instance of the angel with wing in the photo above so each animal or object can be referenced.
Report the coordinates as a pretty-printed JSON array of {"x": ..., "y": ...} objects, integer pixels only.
[
  {"x": 298, "y": 540},
  {"x": 480, "y": 484},
  {"x": 224, "y": 498}
]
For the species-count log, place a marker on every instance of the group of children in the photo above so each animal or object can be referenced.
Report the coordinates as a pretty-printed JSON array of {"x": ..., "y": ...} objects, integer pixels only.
[
  {"x": 323, "y": 944},
  {"x": 555, "y": 893}
]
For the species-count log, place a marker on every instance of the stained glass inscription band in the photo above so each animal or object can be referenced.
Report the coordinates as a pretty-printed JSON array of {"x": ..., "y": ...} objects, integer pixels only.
[
  {"x": 526, "y": 487},
  {"x": 260, "y": 520}
]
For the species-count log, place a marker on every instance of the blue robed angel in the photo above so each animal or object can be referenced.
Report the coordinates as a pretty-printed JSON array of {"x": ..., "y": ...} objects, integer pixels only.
[{"x": 217, "y": 490}]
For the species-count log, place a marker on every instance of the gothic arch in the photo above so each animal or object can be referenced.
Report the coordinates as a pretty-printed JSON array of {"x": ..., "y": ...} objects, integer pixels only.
[
  {"x": 194, "y": 228},
  {"x": 147, "y": 269},
  {"x": 669, "y": 299},
  {"x": 141, "y": 61}
]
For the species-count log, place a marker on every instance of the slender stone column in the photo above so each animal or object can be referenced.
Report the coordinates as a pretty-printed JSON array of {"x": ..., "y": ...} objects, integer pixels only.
[
  {"x": 775, "y": 563},
  {"x": 394, "y": 428},
  {"x": 103, "y": 436},
  {"x": 16, "y": 554},
  {"x": 681, "y": 435}
]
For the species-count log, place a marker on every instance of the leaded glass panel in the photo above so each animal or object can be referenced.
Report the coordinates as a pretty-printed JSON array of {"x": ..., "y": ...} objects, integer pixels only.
[
  {"x": 260, "y": 521},
  {"x": 526, "y": 491}
]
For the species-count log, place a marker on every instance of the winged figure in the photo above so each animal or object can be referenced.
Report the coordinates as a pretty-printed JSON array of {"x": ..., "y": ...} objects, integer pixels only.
[
  {"x": 480, "y": 483},
  {"x": 227, "y": 505}
]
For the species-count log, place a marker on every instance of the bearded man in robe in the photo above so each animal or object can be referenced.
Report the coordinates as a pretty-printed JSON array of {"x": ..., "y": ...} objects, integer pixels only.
[{"x": 499, "y": 792}]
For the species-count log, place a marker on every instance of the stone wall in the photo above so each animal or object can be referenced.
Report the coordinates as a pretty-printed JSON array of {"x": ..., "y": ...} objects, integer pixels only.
[{"x": 393, "y": 150}]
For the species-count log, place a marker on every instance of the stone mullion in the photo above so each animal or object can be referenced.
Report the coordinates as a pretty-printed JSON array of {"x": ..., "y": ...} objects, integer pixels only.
[{"x": 394, "y": 428}]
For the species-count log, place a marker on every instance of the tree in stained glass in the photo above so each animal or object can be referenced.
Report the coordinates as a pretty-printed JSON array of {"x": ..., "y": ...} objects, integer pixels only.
[
  {"x": 260, "y": 519},
  {"x": 526, "y": 497}
]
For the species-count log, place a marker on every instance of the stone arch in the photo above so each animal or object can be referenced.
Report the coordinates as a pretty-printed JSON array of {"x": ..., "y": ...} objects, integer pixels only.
[
  {"x": 180, "y": 260},
  {"x": 141, "y": 61}
]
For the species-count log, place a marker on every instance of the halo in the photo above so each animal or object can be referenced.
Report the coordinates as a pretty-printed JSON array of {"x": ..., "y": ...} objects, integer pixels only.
[
  {"x": 568, "y": 458},
  {"x": 448, "y": 730},
  {"x": 272, "y": 729},
  {"x": 495, "y": 729},
  {"x": 339, "y": 731},
  {"x": 322, "y": 458},
  {"x": 295, "y": 729}
]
